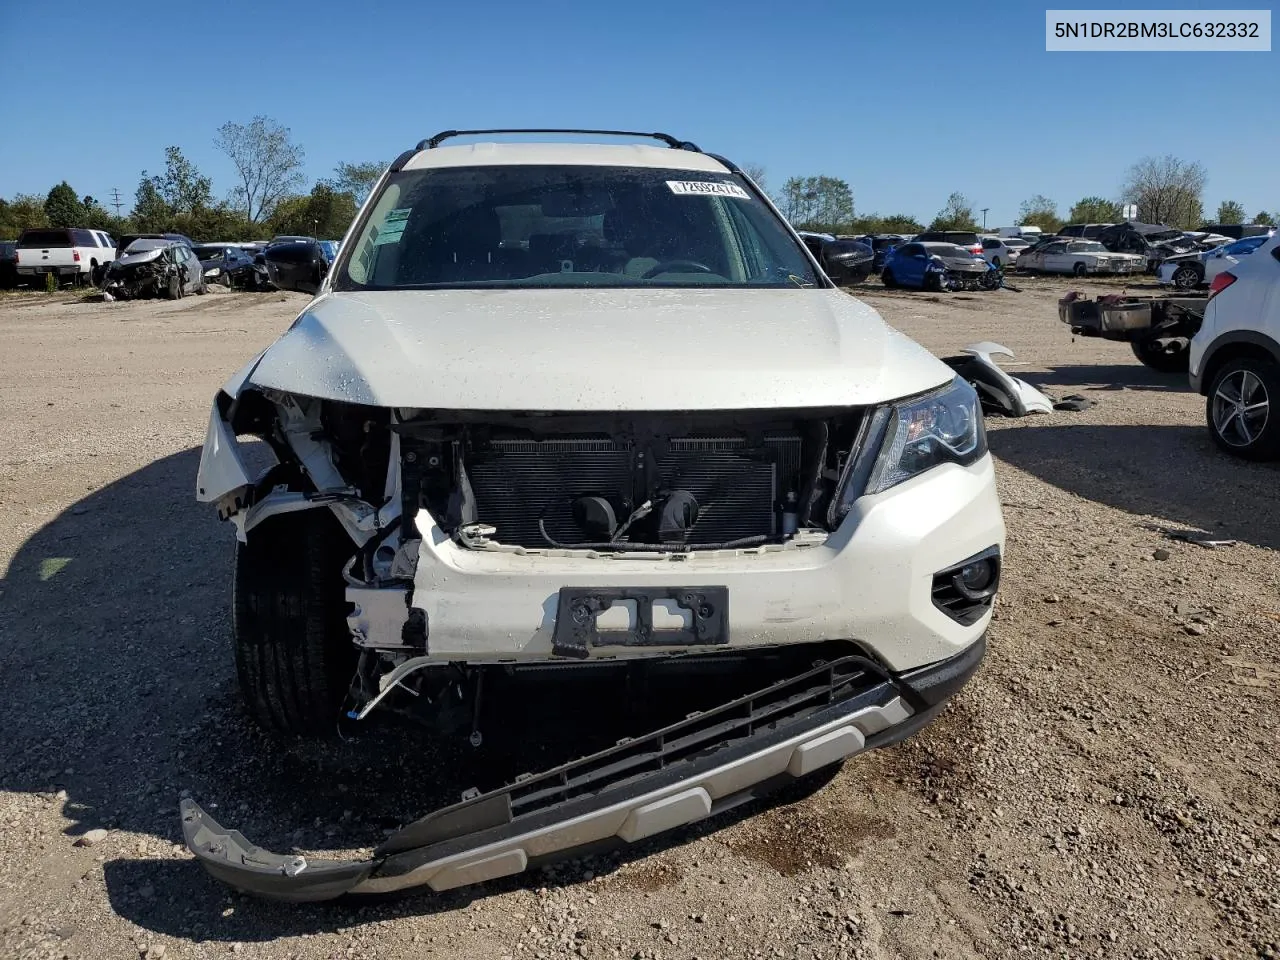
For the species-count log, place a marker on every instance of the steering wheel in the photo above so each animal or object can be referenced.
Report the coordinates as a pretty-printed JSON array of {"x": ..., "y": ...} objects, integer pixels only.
[{"x": 667, "y": 266}]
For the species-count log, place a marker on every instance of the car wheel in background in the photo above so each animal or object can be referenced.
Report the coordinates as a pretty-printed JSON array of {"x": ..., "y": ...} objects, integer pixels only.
[
  {"x": 1241, "y": 408},
  {"x": 1186, "y": 277},
  {"x": 1079, "y": 270},
  {"x": 174, "y": 290},
  {"x": 995, "y": 262},
  {"x": 888, "y": 279}
]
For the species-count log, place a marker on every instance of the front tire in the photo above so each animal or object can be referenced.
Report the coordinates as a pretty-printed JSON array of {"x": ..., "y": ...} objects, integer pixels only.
[
  {"x": 1186, "y": 278},
  {"x": 1243, "y": 408},
  {"x": 1079, "y": 270},
  {"x": 294, "y": 654},
  {"x": 888, "y": 279}
]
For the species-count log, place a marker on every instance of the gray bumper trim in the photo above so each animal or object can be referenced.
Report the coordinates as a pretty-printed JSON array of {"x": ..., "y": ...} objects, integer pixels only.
[{"x": 480, "y": 841}]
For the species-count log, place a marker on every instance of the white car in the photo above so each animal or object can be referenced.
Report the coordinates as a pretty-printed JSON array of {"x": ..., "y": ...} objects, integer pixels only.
[
  {"x": 1003, "y": 251},
  {"x": 1235, "y": 355},
  {"x": 593, "y": 408},
  {"x": 1192, "y": 270},
  {"x": 1080, "y": 257}
]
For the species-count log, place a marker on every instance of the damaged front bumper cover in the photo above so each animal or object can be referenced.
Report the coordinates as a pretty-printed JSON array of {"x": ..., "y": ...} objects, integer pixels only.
[{"x": 708, "y": 763}]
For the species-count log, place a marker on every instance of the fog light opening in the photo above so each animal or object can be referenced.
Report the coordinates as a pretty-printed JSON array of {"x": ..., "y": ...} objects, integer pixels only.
[{"x": 977, "y": 580}]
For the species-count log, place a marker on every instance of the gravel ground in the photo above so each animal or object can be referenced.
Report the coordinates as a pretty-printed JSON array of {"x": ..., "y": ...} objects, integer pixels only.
[{"x": 1107, "y": 786}]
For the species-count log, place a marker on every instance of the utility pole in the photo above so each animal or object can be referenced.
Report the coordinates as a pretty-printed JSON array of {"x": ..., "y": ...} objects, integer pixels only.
[
  {"x": 115, "y": 200},
  {"x": 984, "y": 217}
]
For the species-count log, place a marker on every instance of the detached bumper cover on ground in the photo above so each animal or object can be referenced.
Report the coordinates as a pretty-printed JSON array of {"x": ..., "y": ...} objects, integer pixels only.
[{"x": 685, "y": 772}]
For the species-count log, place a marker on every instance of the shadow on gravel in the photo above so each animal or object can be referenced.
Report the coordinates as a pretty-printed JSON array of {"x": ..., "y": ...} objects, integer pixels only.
[
  {"x": 117, "y": 686},
  {"x": 1171, "y": 472},
  {"x": 1106, "y": 376}
]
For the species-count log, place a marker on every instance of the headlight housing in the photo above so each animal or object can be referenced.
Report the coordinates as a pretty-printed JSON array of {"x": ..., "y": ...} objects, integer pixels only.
[
  {"x": 907, "y": 438},
  {"x": 213, "y": 272}
]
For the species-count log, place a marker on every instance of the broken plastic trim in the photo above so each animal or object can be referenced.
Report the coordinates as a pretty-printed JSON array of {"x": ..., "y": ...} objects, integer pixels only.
[{"x": 705, "y": 764}]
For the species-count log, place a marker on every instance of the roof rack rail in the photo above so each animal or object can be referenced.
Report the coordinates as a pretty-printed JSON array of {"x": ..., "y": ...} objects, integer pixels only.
[{"x": 432, "y": 142}]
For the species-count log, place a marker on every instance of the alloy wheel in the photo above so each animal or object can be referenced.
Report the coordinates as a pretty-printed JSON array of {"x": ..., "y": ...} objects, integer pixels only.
[{"x": 1241, "y": 408}]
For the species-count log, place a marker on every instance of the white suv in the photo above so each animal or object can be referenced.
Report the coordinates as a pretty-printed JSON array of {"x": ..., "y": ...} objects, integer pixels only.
[
  {"x": 586, "y": 408},
  {"x": 1235, "y": 356}
]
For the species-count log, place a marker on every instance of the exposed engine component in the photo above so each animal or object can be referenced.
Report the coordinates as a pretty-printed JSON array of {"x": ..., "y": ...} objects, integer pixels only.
[{"x": 608, "y": 482}]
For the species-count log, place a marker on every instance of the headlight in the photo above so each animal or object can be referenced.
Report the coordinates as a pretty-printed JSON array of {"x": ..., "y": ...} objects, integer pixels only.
[
  {"x": 910, "y": 437},
  {"x": 213, "y": 272}
]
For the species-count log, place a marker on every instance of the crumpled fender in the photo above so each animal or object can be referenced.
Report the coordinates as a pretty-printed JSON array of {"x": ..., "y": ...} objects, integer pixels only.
[{"x": 222, "y": 472}]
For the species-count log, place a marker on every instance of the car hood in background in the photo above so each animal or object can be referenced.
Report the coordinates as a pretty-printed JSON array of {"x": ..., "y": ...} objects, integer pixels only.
[
  {"x": 595, "y": 350},
  {"x": 968, "y": 264},
  {"x": 142, "y": 256}
]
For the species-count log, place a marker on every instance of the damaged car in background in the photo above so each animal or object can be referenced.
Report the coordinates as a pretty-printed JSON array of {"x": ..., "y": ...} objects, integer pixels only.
[
  {"x": 592, "y": 411},
  {"x": 938, "y": 266},
  {"x": 154, "y": 267},
  {"x": 231, "y": 265}
]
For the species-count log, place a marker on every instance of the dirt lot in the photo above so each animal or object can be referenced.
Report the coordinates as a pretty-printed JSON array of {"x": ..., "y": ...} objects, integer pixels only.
[{"x": 1108, "y": 786}]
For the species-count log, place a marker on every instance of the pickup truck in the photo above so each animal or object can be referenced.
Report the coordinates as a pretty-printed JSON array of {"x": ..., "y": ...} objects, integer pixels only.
[{"x": 67, "y": 252}]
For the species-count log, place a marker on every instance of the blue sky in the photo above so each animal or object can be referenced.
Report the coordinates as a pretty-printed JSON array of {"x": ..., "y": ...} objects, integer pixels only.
[{"x": 906, "y": 101}]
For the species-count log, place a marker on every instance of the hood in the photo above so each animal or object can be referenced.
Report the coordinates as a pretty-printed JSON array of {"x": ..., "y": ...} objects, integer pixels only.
[
  {"x": 1181, "y": 257},
  {"x": 595, "y": 350},
  {"x": 964, "y": 263},
  {"x": 142, "y": 256}
]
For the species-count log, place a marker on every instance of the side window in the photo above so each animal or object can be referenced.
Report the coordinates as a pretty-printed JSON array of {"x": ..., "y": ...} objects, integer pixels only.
[
  {"x": 1056, "y": 248},
  {"x": 814, "y": 245},
  {"x": 82, "y": 238}
]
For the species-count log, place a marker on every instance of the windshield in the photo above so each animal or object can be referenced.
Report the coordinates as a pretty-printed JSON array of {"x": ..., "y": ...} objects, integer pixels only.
[
  {"x": 570, "y": 226},
  {"x": 1016, "y": 242},
  {"x": 139, "y": 245},
  {"x": 1088, "y": 246},
  {"x": 204, "y": 252}
]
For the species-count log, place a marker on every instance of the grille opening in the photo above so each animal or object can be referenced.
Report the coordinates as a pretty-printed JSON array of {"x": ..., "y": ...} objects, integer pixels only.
[{"x": 672, "y": 481}]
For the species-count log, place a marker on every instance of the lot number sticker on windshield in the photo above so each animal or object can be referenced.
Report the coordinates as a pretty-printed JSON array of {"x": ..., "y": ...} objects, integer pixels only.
[{"x": 714, "y": 188}]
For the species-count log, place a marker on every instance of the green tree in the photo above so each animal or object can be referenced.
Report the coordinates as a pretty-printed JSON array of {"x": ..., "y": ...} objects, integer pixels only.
[
  {"x": 1167, "y": 190},
  {"x": 267, "y": 161},
  {"x": 1095, "y": 210},
  {"x": 1264, "y": 218},
  {"x": 324, "y": 213},
  {"x": 63, "y": 207},
  {"x": 1230, "y": 212},
  {"x": 182, "y": 186},
  {"x": 151, "y": 214},
  {"x": 823, "y": 204},
  {"x": 1040, "y": 212},
  {"x": 358, "y": 179},
  {"x": 23, "y": 212},
  {"x": 956, "y": 215},
  {"x": 878, "y": 223}
]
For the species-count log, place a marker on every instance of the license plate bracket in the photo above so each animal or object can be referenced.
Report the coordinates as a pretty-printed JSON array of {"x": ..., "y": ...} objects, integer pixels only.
[{"x": 578, "y": 609}]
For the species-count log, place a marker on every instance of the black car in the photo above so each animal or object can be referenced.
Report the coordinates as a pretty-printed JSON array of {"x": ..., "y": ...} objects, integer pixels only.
[
  {"x": 296, "y": 265},
  {"x": 1237, "y": 231},
  {"x": 1155, "y": 241},
  {"x": 227, "y": 264},
  {"x": 845, "y": 261},
  {"x": 881, "y": 244},
  {"x": 8, "y": 264}
]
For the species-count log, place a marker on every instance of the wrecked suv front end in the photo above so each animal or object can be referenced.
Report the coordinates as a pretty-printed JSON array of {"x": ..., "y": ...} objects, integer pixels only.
[{"x": 489, "y": 464}]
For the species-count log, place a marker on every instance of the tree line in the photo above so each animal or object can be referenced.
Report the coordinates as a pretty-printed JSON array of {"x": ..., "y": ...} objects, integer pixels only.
[
  {"x": 1164, "y": 189},
  {"x": 268, "y": 198}
]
